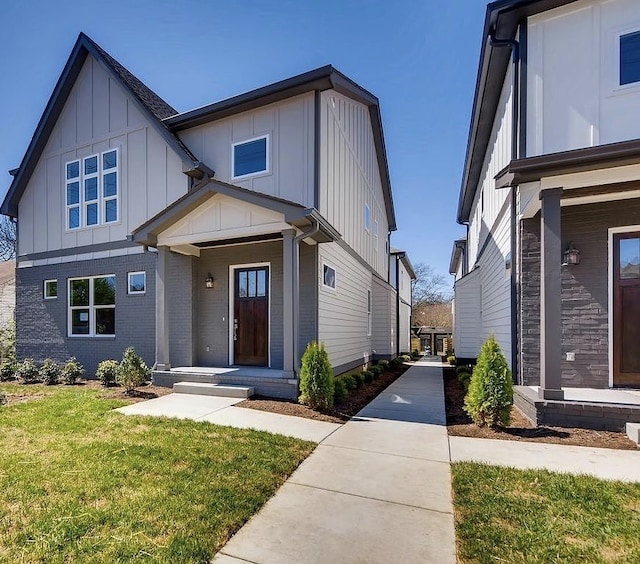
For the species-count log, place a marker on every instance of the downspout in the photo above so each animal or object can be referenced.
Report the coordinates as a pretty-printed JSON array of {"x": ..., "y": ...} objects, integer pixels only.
[{"x": 515, "y": 139}]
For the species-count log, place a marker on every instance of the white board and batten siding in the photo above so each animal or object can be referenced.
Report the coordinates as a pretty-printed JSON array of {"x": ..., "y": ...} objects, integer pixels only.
[
  {"x": 384, "y": 318},
  {"x": 483, "y": 297},
  {"x": 349, "y": 178},
  {"x": 574, "y": 99},
  {"x": 404, "y": 336},
  {"x": 289, "y": 126},
  {"x": 98, "y": 116}
]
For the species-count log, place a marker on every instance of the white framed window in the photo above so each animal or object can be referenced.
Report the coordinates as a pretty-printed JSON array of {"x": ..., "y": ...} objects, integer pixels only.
[
  {"x": 375, "y": 234},
  {"x": 250, "y": 157},
  {"x": 367, "y": 218},
  {"x": 328, "y": 276},
  {"x": 50, "y": 289},
  {"x": 92, "y": 190},
  {"x": 92, "y": 306},
  {"x": 368, "y": 313},
  {"x": 137, "y": 282}
]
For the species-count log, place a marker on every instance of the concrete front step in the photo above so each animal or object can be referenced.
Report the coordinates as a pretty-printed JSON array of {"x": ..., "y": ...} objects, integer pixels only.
[
  {"x": 222, "y": 390},
  {"x": 633, "y": 432}
]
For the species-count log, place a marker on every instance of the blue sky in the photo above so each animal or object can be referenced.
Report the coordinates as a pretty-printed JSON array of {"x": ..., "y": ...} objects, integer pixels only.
[{"x": 419, "y": 57}]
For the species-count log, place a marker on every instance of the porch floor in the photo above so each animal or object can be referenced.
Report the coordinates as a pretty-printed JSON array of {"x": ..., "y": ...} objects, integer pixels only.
[
  {"x": 594, "y": 395},
  {"x": 251, "y": 371}
]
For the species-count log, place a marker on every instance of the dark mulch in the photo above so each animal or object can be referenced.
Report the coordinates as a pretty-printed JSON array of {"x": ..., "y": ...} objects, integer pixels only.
[
  {"x": 141, "y": 393},
  {"x": 521, "y": 429},
  {"x": 340, "y": 413}
]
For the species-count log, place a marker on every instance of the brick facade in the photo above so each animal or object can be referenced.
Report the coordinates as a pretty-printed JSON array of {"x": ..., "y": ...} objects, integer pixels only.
[{"x": 585, "y": 308}]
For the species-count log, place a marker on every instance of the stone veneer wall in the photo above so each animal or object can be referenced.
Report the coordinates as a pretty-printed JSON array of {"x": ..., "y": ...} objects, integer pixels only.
[{"x": 585, "y": 309}]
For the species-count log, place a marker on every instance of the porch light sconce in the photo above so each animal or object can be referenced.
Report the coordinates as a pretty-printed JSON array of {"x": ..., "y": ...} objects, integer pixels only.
[
  {"x": 209, "y": 281},
  {"x": 571, "y": 255}
]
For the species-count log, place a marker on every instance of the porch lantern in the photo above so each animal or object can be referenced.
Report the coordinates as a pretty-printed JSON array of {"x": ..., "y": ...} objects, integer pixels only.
[
  {"x": 571, "y": 255},
  {"x": 209, "y": 281}
]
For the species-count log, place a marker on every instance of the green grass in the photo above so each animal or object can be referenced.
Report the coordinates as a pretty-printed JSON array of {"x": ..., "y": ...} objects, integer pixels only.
[
  {"x": 507, "y": 515},
  {"x": 81, "y": 483}
]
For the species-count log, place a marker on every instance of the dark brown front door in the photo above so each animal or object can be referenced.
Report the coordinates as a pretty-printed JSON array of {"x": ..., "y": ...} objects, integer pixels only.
[
  {"x": 626, "y": 309},
  {"x": 251, "y": 316}
]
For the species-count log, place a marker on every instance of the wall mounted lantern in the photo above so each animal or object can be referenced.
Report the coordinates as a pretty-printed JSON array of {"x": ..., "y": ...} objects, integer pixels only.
[
  {"x": 571, "y": 255},
  {"x": 209, "y": 281}
]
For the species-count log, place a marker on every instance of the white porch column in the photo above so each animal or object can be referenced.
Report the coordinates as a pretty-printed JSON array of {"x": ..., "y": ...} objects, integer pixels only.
[
  {"x": 162, "y": 316},
  {"x": 288, "y": 276},
  {"x": 550, "y": 296}
]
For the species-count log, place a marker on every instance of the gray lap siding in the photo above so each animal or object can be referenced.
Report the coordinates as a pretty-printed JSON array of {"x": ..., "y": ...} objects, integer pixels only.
[{"x": 41, "y": 325}]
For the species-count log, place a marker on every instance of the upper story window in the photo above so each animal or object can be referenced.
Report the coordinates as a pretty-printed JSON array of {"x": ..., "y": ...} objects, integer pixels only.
[
  {"x": 630, "y": 58},
  {"x": 250, "y": 157},
  {"x": 92, "y": 190},
  {"x": 367, "y": 218}
]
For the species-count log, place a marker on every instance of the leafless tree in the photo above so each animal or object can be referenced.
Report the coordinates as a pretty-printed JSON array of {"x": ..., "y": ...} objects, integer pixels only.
[
  {"x": 431, "y": 297},
  {"x": 8, "y": 238}
]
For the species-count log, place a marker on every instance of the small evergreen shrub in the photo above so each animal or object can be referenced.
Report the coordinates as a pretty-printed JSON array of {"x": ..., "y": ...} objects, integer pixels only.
[
  {"x": 415, "y": 353},
  {"x": 340, "y": 392},
  {"x": 4, "y": 399},
  {"x": 464, "y": 368},
  {"x": 132, "y": 371},
  {"x": 405, "y": 358},
  {"x": 27, "y": 371},
  {"x": 359, "y": 378},
  {"x": 395, "y": 363},
  {"x": 7, "y": 370},
  {"x": 490, "y": 395},
  {"x": 451, "y": 360},
  {"x": 368, "y": 375},
  {"x": 50, "y": 372},
  {"x": 8, "y": 341},
  {"x": 316, "y": 378},
  {"x": 349, "y": 382},
  {"x": 107, "y": 372},
  {"x": 384, "y": 364},
  {"x": 465, "y": 379},
  {"x": 376, "y": 370},
  {"x": 71, "y": 371}
]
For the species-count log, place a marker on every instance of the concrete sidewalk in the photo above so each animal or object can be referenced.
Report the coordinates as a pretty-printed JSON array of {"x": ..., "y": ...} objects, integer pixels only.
[{"x": 377, "y": 490}]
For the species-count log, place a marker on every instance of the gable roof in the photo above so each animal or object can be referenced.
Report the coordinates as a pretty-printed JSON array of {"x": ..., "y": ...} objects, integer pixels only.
[
  {"x": 154, "y": 108},
  {"x": 502, "y": 19}
]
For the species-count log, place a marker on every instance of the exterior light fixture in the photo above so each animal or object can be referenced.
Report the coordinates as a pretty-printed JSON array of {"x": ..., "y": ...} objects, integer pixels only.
[
  {"x": 571, "y": 255},
  {"x": 209, "y": 281}
]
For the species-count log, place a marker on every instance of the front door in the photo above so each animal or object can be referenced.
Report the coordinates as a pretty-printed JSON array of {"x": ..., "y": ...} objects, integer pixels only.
[
  {"x": 251, "y": 316},
  {"x": 626, "y": 309}
]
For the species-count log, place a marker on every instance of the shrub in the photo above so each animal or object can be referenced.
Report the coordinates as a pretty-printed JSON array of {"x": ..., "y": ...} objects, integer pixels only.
[
  {"x": 376, "y": 370},
  {"x": 7, "y": 370},
  {"x": 4, "y": 399},
  {"x": 359, "y": 378},
  {"x": 50, "y": 372},
  {"x": 490, "y": 395},
  {"x": 349, "y": 382},
  {"x": 132, "y": 371},
  {"x": 8, "y": 341},
  {"x": 316, "y": 377},
  {"x": 107, "y": 372},
  {"x": 384, "y": 364},
  {"x": 367, "y": 375},
  {"x": 465, "y": 379},
  {"x": 405, "y": 358},
  {"x": 340, "y": 392},
  {"x": 71, "y": 371},
  {"x": 451, "y": 360},
  {"x": 27, "y": 371},
  {"x": 415, "y": 353},
  {"x": 395, "y": 363},
  {"x": 464, "y": 368}
]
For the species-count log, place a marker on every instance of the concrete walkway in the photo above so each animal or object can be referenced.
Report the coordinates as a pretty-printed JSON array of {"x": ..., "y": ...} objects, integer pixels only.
[{"x": 377, "y": 490}]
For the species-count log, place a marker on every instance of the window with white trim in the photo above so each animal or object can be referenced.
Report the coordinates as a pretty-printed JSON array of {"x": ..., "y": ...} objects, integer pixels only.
[
  {"x": 250, "y": 157},
  {"x": 375, "y": 233},
  {"x": 629, "y": 58},
  {"x": 369, "y": 313},
  {"x": 137, "y": 282},
  {"x": 92, "y": 190},
  {"x": 328, "y": 276},
  {"x": 92, "y": 306},
  {"x": 50, "y": 289},
  {"x": 367, "y": 217}
]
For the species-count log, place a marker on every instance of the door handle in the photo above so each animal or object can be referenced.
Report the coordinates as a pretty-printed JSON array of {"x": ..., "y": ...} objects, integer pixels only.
[{"x": 235, "y": 329}]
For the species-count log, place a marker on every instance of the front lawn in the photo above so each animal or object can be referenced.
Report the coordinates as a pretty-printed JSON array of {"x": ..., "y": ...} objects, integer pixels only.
[
  {"x": 507, "y": 515},
  {"x": 81, "y": 483}
]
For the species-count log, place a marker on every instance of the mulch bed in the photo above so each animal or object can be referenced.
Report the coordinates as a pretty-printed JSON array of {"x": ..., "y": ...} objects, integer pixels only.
[
  {"x": 341, "y": 413},
  {"x": 521, "y": 429}
]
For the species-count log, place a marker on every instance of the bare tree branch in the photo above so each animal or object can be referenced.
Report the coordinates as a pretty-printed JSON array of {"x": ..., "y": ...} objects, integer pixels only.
[{"x": 8, "y": 238}]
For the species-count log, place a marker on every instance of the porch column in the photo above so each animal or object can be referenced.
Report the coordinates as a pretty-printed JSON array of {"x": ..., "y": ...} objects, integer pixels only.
[
  {"x": 162, "y": 315},
  {"x": 550, "y": 296},
  {"x": 288, "y": 265}
]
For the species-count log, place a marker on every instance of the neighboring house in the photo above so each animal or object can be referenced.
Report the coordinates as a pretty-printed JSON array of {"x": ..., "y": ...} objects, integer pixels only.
[
  {"x": 553, "y": 166},
  {"x": 128, "y": 236},
  {"x": 401, "y": 277},
  {"x": 7, "y": 291}
]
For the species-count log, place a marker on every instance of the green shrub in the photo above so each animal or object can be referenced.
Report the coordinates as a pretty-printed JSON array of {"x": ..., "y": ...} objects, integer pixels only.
[
  {"x": 367, "y": 375},
  {"x": 490, "y": 395},
  {"x": 464, "y": 368},
  {"x": 415, "y": 353},
  {"x": 384, "y": 364},
  {"x": 405, "y": 358},
  {"x": 4, "y": 398},
  {"x": 359, "y": 378},
  {"x": 316, "y": 377},
  {"x": 50, "y": 372},
  {"x": 7, "y": 370},
  {"x": 340, "y": 392},
  {"x": 349, "y": 382},
  {"x": 27, "y": 371},
  {"x": 376, "y": 370},
  {"x": 107, "y": 372},
  {"x": 132, "y": 371},
  {"x": 395, "y": 363},
  {"x": 71, "y": 371},
  {"x": 465, "y": 379},
  {"x": 451, "y": 360},
  {"x": 8, "y": 341}
]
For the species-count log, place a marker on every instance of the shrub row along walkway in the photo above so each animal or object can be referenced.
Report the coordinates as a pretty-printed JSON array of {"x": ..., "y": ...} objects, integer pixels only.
[{"x": 377, "y": 490}]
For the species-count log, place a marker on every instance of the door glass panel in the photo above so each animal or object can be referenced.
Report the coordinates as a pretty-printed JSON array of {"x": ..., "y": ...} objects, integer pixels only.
[
  {"x": 629, "y": 258},
  {"x": 252, "y": 284},
  {"x": 262, "y": 283},
  {"x": 242, "y": 284}
]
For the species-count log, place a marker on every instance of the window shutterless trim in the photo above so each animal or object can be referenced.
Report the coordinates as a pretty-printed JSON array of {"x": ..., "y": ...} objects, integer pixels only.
[
  {"x": 91, "y": 307},
  {"x": 44, "y": 289},
  {"x": 136, "y": 292},
  {"x": 267, "y": 158},
  {"x": 335, "y": 281},
  {"x": 367, "y": 218}
]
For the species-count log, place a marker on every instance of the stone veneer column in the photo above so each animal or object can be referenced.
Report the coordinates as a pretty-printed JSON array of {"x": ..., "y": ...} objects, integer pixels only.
[
  {"x": 288, "y": 265},
  {"x": 162, "y": 314},
  {"x": 550, "y": 296}
]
